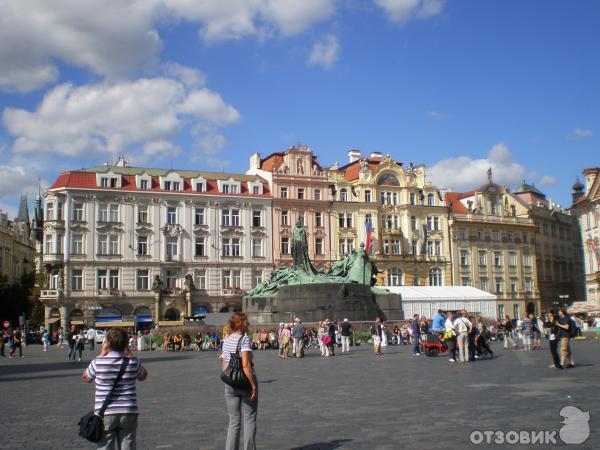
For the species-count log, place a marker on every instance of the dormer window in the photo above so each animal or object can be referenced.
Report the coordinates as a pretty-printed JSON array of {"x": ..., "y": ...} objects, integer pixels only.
[
  {"x": 144, "y": 184},
  {"x": 108, "y": 180},
  {"x": 171, "y": 182},
  {"x": 255, "y": 187},
  {"x": 143, "y": 181},
  {"x": 230, "y": 186},
  {"x": 199, "y": 187},
  {"x": 199, "y": 184},
  {"x": 167, "y": 186}
]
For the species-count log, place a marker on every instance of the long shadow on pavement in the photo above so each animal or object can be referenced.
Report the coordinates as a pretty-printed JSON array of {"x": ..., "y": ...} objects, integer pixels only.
[{"x": 331, "y": 445}]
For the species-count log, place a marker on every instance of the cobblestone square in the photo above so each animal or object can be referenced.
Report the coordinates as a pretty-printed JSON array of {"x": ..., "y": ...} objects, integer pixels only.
[{"x": 350, "y": 401}]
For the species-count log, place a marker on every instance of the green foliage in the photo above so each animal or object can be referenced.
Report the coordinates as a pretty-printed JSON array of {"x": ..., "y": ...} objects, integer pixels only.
[{"x": 16, "y": 299}]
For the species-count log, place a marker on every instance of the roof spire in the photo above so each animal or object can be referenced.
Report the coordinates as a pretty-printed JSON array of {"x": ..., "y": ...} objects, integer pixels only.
[
  {"x": 23, "y": 214},
  {"x": 489, "y": 175}
]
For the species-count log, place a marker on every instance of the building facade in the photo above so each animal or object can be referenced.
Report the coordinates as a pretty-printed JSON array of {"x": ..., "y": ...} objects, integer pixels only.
[
  {"x": 17, "y": 252},
  {"x": 558, "y": 249},
  {"x": 586, "y": 207},
  {"x": 301, "y": 193},
  {"x": 406, "y": 212},
  {"x": 493, "y": 247},
  {"x": 135, "y": 245}
]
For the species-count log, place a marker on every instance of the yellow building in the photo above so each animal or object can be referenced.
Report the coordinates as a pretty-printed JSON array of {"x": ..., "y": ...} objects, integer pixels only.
[
  {"x": 16, "y": 247},
  {"x": 409, "y": 218},
  {"x": 493, "y": 247}
]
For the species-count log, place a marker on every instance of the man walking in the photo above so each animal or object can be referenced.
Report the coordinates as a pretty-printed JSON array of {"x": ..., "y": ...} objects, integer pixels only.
[
  {"x": 376, "y": 333},
  {"x": 526, "y": 331},
  {"x": 71, "y": 341},
  {"x": 298, "y": 335},
  {"x": 280, "y": 339},
  {"x": 345, "y": 327},
  {"x": 416, "y": 335},
  {"x": 90, "y": 336},
  {"x": 462, "y": 327}
]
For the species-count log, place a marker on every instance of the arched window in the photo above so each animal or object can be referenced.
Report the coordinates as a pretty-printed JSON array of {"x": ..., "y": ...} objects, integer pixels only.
[
  {"x": 172, "y": 314},
  {"x": 343, "y": 195},
  {"x": 435, "y": 277},
  {"x": 430, "y": 200},
  {"x": 395, "y": 277}
]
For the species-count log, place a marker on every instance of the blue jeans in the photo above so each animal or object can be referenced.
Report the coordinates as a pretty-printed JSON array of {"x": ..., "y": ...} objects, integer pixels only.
[
  {"x": 240, "y": 409},
  {"x": 416, "y": 344},
  {"x": 72, "y": 352}
]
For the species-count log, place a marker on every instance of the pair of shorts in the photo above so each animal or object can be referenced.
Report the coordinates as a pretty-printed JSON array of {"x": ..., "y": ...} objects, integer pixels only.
[
  {"x": 526, "y": 339},
  {"x": 537, "y": 335},
  {"x": 376, "y": 340},
  {"x": 565, "y": 347}
]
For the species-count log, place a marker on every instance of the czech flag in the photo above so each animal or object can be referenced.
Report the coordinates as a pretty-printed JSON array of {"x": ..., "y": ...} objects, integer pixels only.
[{"x": 369, "y": 229}]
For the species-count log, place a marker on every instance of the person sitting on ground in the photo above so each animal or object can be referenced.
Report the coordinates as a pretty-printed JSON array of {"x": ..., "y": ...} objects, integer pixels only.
[
  {"x": 214, "y": 342},
  {"x": 121, "y": 415},
  {"x": 198, "y": 341}
]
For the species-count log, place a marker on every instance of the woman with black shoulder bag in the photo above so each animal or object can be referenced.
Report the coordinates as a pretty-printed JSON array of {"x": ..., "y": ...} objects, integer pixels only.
[{"x": 241, "y": 388}]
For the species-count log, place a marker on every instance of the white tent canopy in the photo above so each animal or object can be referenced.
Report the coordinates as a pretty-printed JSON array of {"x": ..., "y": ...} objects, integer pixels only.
[{"x": 426, "y": 300}]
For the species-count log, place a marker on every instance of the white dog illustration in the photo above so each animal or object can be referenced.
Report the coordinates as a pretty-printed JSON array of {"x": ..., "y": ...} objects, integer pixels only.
[{"x": 576, "y": 428}]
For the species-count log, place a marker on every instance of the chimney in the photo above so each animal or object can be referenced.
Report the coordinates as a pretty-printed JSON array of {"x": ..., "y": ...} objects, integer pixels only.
[
  {"x": 353, "y": 155},
  {"x": 376, "y": 156},
  {"x": 255, "y": 161},
  {"x": 121, "y": 162}
]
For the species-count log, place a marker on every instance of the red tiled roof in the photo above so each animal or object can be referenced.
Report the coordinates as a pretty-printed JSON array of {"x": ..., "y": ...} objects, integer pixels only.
[
  {"x": 273, "y": 161},
  {"x": 453, "y": 199},
  {"x": 87, "y": 180}
]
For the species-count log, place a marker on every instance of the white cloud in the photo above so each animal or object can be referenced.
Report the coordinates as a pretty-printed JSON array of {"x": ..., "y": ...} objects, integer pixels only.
[
  {"x": 187, "y": 75},
  {"x": 403, "y": 10},
  {"x": 108, "y": 37},
  {"x": 546, "y": 181},
  {"x": 160, "y": 149},
  {"x": 211, "y": 144},
  {"x": 113, "y": 116},
  {"x": 434, "y": 114},
  {"x": 463, "y": 173},
  {"x": 234, "y": 19},
  {"x": 15, "y": 180},
  {"x": 325, "y": 52},
  {"x": 579, "y": 133}
]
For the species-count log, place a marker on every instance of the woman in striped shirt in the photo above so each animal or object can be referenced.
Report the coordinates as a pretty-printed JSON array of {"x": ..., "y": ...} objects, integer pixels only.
[{"x": 240, "y": 402}]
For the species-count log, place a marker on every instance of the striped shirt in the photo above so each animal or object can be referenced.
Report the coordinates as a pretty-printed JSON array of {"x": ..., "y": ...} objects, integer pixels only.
[
  {"x": 104, "y": 370},
  {"x": 230, "y": 345}
]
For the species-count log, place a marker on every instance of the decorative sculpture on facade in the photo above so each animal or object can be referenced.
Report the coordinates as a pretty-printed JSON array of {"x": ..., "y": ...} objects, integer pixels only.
[
  {"x": 189, "y": 283},
  {"x": 157, "y": 284}
]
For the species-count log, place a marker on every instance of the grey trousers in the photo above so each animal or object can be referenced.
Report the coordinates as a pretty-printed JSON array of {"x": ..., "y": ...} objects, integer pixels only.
[
  {"x": 237, "y": 405},
  {"x": 119, "y": 432},
  {"x": 463, "y": 346}
]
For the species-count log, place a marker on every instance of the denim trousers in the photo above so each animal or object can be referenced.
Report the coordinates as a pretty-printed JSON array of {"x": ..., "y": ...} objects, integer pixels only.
[
  {"x": 416, "y": 344},
  {"x": 239, "y": 405},
  {"x": 119, "y": 432}
]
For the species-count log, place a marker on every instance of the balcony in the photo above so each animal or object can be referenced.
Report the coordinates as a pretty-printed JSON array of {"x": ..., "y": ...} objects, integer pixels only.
[
  {"x": 51, "y": 294},
  {"x": 232, "y": 292},
  {"x": 172, "y": 291},
  {"x": 53, "y": 257},
  {"x": 392, "y": 230},
  {"x": 109, "y": 293}
]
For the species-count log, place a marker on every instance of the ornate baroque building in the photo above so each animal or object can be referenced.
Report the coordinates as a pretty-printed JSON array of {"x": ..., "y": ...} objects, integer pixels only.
[
  {"x": 558, "y": 250},
  {"x": 129, "y": 244},
  {"x": 300, "y": 193},
  {"x": 493, "y": 247},
  {"x": 586, "y": 207},
  {"x": 16, "y": 246},
  {"x": 410, "y": 243}
]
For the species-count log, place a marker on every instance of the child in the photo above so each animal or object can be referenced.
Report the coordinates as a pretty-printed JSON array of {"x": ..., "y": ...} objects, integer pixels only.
[{"x": 120, "y": 418}]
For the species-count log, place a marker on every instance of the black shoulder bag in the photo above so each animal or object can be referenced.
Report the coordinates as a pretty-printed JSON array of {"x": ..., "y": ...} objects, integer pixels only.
[
  {"x": 91, "y": 426},
  {"x": 234, "y": 375}
]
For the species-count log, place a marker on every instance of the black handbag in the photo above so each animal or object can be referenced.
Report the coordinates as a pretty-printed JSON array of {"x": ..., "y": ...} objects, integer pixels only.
[
  {"x": 234, "y": 375},
  {"x": 91, "y": 426}
]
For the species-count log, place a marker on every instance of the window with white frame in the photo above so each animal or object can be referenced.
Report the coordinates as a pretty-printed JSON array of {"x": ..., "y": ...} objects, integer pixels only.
[
  {"x": 231, "y": 278},
  {"x": 430, "y": 200},
  {"x": 396, "y": 246},
  {"x": 480, "y": 235},
  {"x": 495, "y": 236},
  {"x": 413, "y": 223},
  {"x": 108, "y": 279},
  {"x": 257, "y": 278},
  {"x": 283, "y": 192},
  {"x": 343, "y": 195},
  {"x": 257, "y": 247},
  {"x": 171, "y": 248},
  {"x": 200, "y": 278},
  {"x": 498, "y": 259},
  {"x": 145, "y": 184},
  {"x": 462, "y": 234},
  {"x": 412, "y": 198},
  {"x": 142, "y": 280},
  {"x": 386, "y": 247},
  {"x": 528, "y": 285},
  {"x": 77, "y": 244},
  {"x": 512, "y": 259},
  {"x": 284, "y": 218},
  {"x": 482, "y": 257},
  {"x": 230, "y": 188},
  {"x": 525, "y": 238},
  {"x": 367, "y": 196},
  {"x": 466, "y": 281},
  {"x": 318, "y": 219},
  {"x": 50, "y": 211},
  {"x": 230, "y": 217},
  {"x": 319, "y": 250},
  {"x": 78, "y": 212},
  {"x": 171, "y": 214},
  {"x": 199, "y": 216},
  {"x": 301, "y": 193},
  {"x": 317, "y": 194},
  {"x": 514, "y": 283},
  {"x": 517, "y": 310},
  {"x": 464, "y": 257},
  {"x": 114, "y": 212},
  {"x": 103, "y": 213},
  {"x": 142, "y": 214},
  {"x": 77, "y": 279},
  {"x": 113, "y": 244},
  {"x": 345, "y": 220},
  {"x": 435, "y": 277},
  {"x": 285, "y": 245},
  {"x": 430, "y": 249},
  {"x": 102, "y": 244},
  {"x": 231, "y": 247},
  {"x": 526, "y": 260},
  {"x": 499, "y": 285},
  {"x": 200, "y": 246},
  {"x": 59, "y": 244},
  {"x": 346, "y": 246},
  {"x": 484, "y": 284},
  {"x": 395, "y": 277},
  {"x": 433, "y": 223},
  {"x": 171, "y": 277},
  {"x": 415, "y": 247},
  {"x": 256, "y": 218},
  {"x": 142, "y": 245}
]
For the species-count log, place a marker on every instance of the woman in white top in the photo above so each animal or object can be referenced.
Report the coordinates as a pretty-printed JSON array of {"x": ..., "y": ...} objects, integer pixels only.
[{"x": 240, "y": 402}]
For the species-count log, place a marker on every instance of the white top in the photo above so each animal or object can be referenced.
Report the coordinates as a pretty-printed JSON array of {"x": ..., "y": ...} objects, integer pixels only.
[
  {"x": 91, "y": 334},
  {"x": 462, "y": 325},
  {"x": 449, "y": 326}
]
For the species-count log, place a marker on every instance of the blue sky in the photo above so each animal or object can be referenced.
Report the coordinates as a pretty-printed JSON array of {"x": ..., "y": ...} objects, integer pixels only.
[{"x": 458, "y": 86}]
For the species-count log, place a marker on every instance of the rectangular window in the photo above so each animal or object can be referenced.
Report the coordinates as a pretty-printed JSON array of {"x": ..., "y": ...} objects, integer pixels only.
[
  {"x": 256, "y": 278},
  {"x": 103, "y": 244},
  {"x": 77, "y": 244},
  {"x": 200, "y": 246},
  {"x": 113, "y": 279},
  {"x": 284, "y": 218},
  {"x": 368, "y": 196},
  {"x": 343, "y": 195},
  {"x": 394, "y": 198},
  {"x": 50, "y": 211},
  {"x": 301, "y": 193},
  {"x": 317, "y": 194},
  {"x": 114, "y": 213},
  {"x": 495, "y": 236},
  {"x": 237, "y": 278},
  {"x": 200, "y": 278},
  {"x": 319, "y": 246},
  {"x": 480, "y": 235},
  {"x": 482, "y": 258},
  {"x": 462, "y": 234},
  {"x": 256, "y": 218},
  {"x": 171, "y": 248},
  {"x": 59, "y": 244},
  {"x": 510, "y": 236},
  {"x": 525, "y": 238},
  {"x": 199, "y": 187},
  {"x": 349, "y": 220},
  {"x": 501, "y": 312},
  {"x": 499, "y": 285},
  {"x": 142, "y": 280},
  {"x": 103, "y": 213},
  {"x": 104, "y": 182},
  {"x": 167, "y": 185},
  {"x": 318, "y": 219},
  {"x": 513, "y": 285},
  {"x": 225, "y": 218},
  {"x": 113, "y": 243},
  {"x": 396, "y": 247},
  {"x": 285, "y": 246},
  {"x": 429, "y": 223},
  {"x": 430, "y": 250},
  {"x": 413, "y": 198},
  {"x": 436, "y": 223},
  {"x": 257, "y": 248},
  {"x": 235, "y": 217},
  {"x": 464, "y": 257},
  {"x": 171, "y": 279},
  {"x": 517, "y": 310},
  {"x": 171, "y": 214},
  {"x": 498, "y": 259},
  {"x": 382, "y": 198},
  {"x": 199, "y": 216},
  {"x": 346, "y": 246},
  {"x": 256, "y": 190},
  {"x": 102, "y": 279},
  {"x": 76, "y": 279},
  {"x": 231, "y": 247},
  {"x": 484, "y": 284},
  {"x": 144, "y": 185},
  {"x": 226, "y": 279},
  {"x": 226, "y": 247},
  {"x": 512, "y": 259},
  {"x": 413, "y": 223},
  {"x": 528, "y": 285},
  {"x": 526, "y": 260},
  {"x": 386, "y": 247},
  {"x": 284, "y": 192},
  {"x": 78, "y": 212},
  {"x": 342, "y": 220},
  {"x": 176, "y": 186},
  {"x": 142, "y": 245},
  {"x": 465, "y": 281},
  {"x": 142, "y": 216},
  {"x": 415, "y": 247}
]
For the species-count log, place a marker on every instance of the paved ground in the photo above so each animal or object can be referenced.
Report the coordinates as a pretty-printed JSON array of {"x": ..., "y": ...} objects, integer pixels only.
[{"x": 351, "y": 401}]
